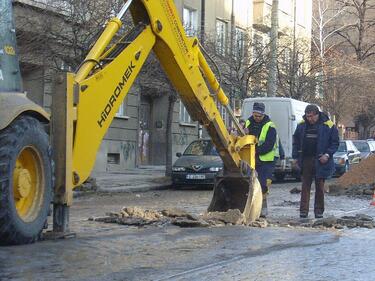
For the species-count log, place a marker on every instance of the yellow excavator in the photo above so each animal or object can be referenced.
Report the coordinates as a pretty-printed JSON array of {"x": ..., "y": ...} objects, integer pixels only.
[{"x": 38, "y": 171}]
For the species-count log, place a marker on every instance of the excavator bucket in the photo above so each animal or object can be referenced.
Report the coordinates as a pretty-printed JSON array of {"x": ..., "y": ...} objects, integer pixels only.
[{"x": 238, "y": 191}]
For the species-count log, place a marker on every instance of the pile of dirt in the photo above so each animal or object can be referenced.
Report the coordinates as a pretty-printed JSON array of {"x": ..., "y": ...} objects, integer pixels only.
[
  {"x": 140, "y": 217},
  {"x": 359, "y": 180},
  {"x": 136, "y": 216}
]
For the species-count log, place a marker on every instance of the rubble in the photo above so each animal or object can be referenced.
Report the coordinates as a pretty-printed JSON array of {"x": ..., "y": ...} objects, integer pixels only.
[
  {"x": 229, "y": 217},
  {"x": 295, "y": 190},
  {"x": 136, "y": 216},
  {"x": 181, "y": 222},
  {"x": 359, "y": 220},
  {"x": 288, "y": 203},
  {"x": 140, "y": 217},
  {"x": 89, "y": 185}
]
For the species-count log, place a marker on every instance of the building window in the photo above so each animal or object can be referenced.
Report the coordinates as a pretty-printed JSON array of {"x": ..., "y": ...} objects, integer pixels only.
[
  {"x": 286, "y": 59},
  {"x": 221, "y": 37},
  {"x": 257, "y": 46},
  {"x": 319, "y": 85},
  {"x": 300, "y": 63},
  {"x": 190, "y": 21},
  {"x": 184, "y": 115},
  {"x": 122, "y": 109},
  {"x": 223, "y": 112},
  {"x": 239, "y": 44}
]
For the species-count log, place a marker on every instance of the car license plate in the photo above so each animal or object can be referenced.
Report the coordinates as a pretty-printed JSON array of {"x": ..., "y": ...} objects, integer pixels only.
[{"x": 195, "y": 177}]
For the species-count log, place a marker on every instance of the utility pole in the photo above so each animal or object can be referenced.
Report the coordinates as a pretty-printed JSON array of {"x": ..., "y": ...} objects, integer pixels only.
[
  {"x": 293, "y": 60},
  {"x": 272, "y": 66},
  {"x": 203, "y": 21},
  {"x": 231, "y": 52}
]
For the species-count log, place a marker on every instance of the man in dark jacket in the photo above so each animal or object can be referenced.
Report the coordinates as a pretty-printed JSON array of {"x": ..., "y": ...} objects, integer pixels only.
[
  {"x": 260, "y": 125},
  {"x": 314, "y": 143}
]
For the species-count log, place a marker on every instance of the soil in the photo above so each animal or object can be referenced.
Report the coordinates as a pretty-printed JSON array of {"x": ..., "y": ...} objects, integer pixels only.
[
  {"x": 358, "y": 181},
  {"x": 361, "y": 174}
]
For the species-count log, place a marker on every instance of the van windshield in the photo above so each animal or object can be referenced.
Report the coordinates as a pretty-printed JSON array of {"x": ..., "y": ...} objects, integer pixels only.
[{"x": 10, "y": 76}]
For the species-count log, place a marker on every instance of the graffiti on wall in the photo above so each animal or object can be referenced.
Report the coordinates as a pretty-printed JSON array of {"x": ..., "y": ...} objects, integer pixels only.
[
  {"x": 128, "y": 150},
  {"x": 143, "y": 146},
  {"x": 181, "y": 137}
]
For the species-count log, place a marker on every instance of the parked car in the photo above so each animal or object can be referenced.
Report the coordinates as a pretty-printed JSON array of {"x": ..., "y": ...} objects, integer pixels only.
[
  {"x": 346, "y": 155},
  {"x": 198, "y": 165},
  {"x": 366, "y": 147}
]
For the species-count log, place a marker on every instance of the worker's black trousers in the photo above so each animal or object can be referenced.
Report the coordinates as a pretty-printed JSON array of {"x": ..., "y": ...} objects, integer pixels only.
[
  {"x": 265, "y": 170},
  {"x": 308, "y": 174}
]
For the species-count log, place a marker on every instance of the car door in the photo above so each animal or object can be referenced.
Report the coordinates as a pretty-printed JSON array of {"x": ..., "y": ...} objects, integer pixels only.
[
  {"x": 354, "y": 156},
  {"x": 372, "y": 146}
]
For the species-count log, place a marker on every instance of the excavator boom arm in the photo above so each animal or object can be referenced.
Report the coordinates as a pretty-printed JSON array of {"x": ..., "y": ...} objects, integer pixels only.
[{"x": 101, "y": 93}]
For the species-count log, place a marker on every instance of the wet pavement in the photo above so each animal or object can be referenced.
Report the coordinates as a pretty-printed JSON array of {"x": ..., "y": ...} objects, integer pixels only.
[{"x": 116, "y": 252}]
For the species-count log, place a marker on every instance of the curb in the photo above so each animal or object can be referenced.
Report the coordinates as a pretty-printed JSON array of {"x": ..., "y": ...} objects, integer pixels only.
[{"x": 141, "y": 188}]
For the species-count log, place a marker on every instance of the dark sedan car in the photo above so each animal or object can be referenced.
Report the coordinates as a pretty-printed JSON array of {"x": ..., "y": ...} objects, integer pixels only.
[
  {"x": 198, "y": 165},
  {"x": 346, "y": 155},
  {"x": 366, "y": 147}
]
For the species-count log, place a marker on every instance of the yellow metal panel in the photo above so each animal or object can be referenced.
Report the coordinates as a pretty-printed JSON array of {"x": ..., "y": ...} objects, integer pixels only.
[
  {"x": 19, "y": 104},
  {"x": 105, "y": 38},
  {"x": 100, "y": 96},
  {"x": 246, "y": 147},
  {"x": 62, "y": 133}
]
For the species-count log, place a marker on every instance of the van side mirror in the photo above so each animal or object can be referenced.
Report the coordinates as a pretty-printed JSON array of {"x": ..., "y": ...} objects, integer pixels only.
[{"x": 178, "y": 154}]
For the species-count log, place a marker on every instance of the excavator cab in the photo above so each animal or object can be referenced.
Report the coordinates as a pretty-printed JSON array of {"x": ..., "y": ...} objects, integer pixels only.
[
  {"x": 10, "y": 76},
  {"x": 85, "y": 103},
  {"x": 26, "y": 166}
]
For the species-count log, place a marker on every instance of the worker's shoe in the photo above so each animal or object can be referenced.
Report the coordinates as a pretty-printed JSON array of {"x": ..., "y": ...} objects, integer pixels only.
[
  {"x": 264, "y": 211},
  {"x": 318, "y": 215},
  {"x": 303, "y": 215}
]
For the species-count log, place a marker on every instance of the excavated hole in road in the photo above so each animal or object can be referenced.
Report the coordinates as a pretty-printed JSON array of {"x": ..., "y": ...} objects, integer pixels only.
[{"x": 136, "y": 216}]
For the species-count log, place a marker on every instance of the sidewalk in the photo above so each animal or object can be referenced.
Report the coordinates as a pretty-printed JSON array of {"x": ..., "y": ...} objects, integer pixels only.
[{"x": 140, "y": 179}]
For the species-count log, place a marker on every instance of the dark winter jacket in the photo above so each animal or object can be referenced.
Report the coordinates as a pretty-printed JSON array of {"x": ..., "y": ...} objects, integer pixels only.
[
  {"x": 255, "y": 130},
  {"x": 328, "y": 142}
]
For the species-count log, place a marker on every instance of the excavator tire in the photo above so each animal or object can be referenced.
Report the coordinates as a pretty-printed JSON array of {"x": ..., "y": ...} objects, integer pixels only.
[
  {"x": 238, "y": 191},
  {"x": 26, "y": 180}
]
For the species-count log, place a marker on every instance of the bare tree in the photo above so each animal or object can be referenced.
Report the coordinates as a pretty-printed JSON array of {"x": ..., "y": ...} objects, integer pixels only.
[
  {"x": 272, "y": 65},
  {"x": 359, "y": 21},
  {"x": 62, "y": 32},
  {"x": 296, "y": 74},
  {"x": 245, "y": 69},
  {"x": 325, "y": 27}
]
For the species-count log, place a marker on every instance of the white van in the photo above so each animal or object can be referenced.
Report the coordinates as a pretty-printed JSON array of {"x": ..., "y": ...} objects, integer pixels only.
[{"x": 286, "y": 113}]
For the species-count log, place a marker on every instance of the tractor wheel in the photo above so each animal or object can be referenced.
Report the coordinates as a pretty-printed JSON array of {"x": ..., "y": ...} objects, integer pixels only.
[{"x": 26, "y": 179}]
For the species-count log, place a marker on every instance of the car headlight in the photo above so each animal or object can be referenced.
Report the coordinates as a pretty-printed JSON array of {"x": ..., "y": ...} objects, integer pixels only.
[
  {"x": 340, "y": 161},
  {"x": 215, "y": 169},
  {"x": 178, "y": 169}
]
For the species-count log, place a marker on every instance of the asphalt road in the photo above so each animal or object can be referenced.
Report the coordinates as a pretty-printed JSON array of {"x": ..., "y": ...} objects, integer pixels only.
[{"x": 116, "y": 252}]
